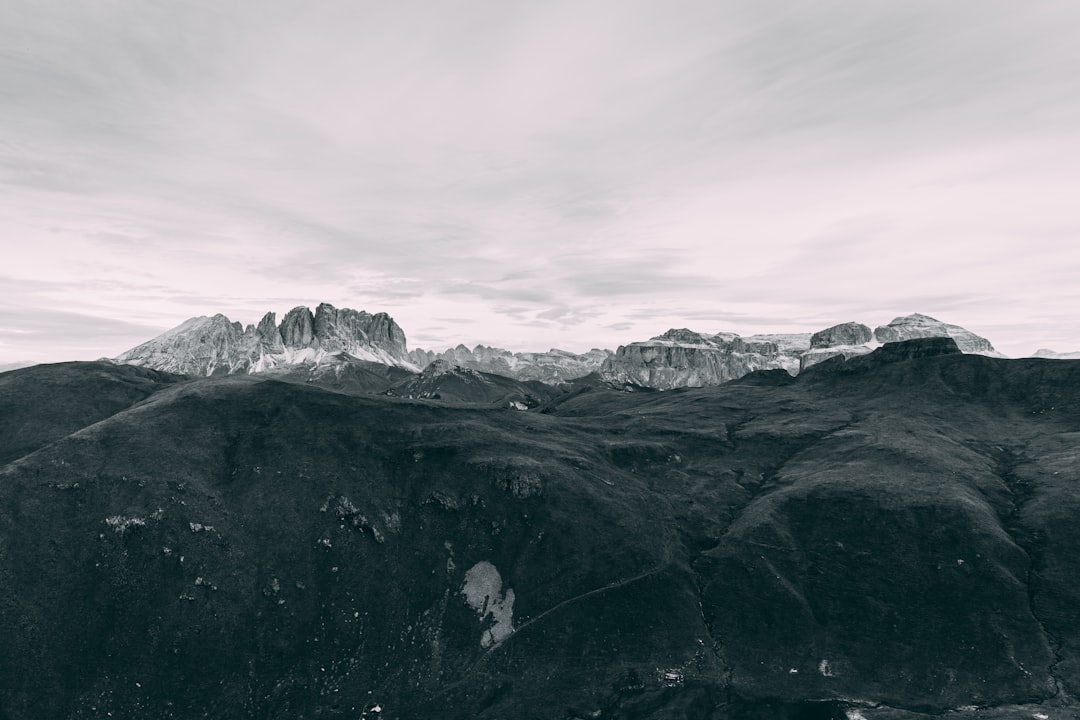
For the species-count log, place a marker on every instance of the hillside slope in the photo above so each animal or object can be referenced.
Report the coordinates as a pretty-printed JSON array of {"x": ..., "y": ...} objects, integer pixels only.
[{"x": 889, "y": 536}]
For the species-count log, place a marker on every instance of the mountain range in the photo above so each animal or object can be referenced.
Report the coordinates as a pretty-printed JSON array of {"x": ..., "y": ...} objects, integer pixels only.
[{"x": 329, "y": 341}]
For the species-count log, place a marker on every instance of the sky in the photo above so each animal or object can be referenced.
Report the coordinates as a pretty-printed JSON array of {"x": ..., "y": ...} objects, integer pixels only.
[{"x": 528, "y": 175}]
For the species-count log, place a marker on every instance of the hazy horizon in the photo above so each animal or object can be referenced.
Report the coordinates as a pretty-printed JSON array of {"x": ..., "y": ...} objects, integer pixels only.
[{"x": 569, "y": 174}]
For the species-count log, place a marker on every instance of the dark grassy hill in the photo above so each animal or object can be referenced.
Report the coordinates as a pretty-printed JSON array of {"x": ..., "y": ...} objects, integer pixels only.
[
  {"x": 459, "y": 386},
  {"x": 884, "y": 539},
  {"x": 43, "y": 403},
  {"x": 346, "y": 374}
]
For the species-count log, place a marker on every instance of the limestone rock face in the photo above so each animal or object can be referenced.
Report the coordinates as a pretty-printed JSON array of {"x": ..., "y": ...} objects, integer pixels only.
[
  {"x": 683, "y": 358},
  {"x": 917, "y": 325},
  {"x": 347, "y": 330},
  {"x": 849, "y": 333},
  {"x": 298, "y": 328},
  {"x": 267, "y": 335},
  {"x": 215, "y": 345},
  {"x": 553, "y": 367},
  {"x": 202, "y": 346}
]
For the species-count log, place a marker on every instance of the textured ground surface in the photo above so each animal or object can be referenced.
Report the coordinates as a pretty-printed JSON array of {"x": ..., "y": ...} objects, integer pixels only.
[{"x": 886, "y": 538}]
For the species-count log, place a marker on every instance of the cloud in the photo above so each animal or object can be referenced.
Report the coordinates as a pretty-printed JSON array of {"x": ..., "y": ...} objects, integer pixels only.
[{"x": 555, "y": 173}]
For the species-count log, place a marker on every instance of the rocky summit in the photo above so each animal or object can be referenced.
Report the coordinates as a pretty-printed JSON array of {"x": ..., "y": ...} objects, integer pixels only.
[
  {"x": 891, "y": 536},
  {"x": 213, "y": 345}
]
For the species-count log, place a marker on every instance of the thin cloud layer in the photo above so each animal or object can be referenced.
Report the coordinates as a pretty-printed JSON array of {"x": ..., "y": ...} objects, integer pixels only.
[{"x": 533, "y": 175}]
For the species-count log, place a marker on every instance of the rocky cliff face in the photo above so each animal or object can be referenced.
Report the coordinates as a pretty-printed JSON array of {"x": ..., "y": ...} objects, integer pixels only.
[
  {"x": 553, "y": 366},
  {"x": 846, "y": 340},
  {"x": 215, "y": 345},
  {"x": 850, "y": 333},
  {"x": 683, "y": 358}
]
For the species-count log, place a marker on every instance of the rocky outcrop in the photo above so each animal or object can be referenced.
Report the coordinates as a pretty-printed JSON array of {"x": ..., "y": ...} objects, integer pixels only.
[
  {"x": 845, "y": 340},
  {"x": 267, "y": 336},
  {"x": 553, "y": 367},
  {"x": 199, "y": 346},
  {"x": 849, "y": 333},
  {"x": 298, "y": 328},
  {"x": 215, "y": 345},
  {"x": 917, "y": 325},
  {"x": 351, "y": 330},
  {"x": 683, "y": 358}
]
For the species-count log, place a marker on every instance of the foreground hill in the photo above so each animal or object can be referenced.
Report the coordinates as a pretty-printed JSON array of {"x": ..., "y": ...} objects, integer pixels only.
[
  {"x": 890, "y": 536},
  {"x": 44, "y": 403},
  {"x": 456, "y": 385}
]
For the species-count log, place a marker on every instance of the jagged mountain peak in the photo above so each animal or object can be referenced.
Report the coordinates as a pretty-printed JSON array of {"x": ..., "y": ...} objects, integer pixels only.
[{"x": 213, "y": 345}]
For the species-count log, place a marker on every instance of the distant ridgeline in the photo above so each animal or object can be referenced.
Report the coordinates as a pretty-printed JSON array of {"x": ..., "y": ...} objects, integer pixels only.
[{"x": 328, "y": 340}]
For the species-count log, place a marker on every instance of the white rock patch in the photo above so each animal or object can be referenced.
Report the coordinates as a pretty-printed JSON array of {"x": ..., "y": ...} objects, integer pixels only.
[{"x": 483, "y": 592}]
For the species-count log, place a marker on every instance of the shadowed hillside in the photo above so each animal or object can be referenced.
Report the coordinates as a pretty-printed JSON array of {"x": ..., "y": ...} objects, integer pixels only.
[{"x": 886, "y": 537}]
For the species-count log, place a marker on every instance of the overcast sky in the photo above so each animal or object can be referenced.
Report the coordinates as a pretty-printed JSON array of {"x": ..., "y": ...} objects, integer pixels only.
[{"x": 538, "y": 174}]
